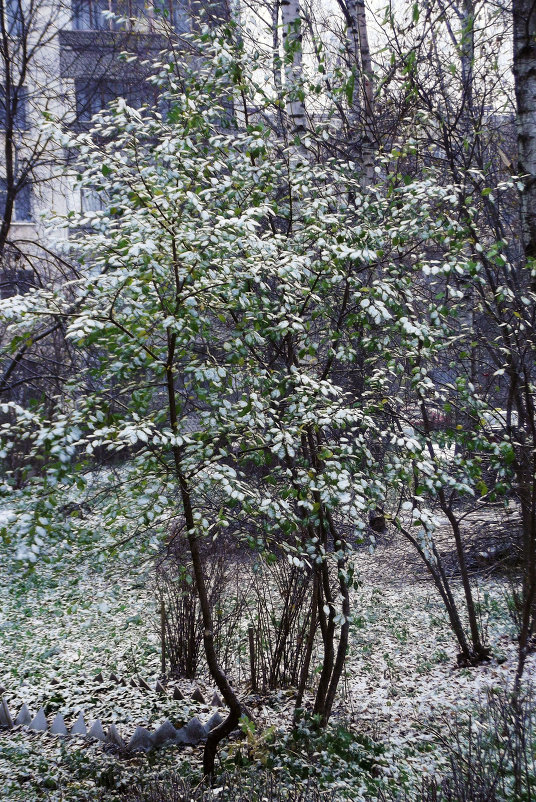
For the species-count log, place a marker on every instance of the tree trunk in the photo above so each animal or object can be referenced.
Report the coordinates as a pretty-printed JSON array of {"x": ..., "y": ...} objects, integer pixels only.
[
  {"x": 9, "y": 143},
  {"x": 362, "y": 107},
  {"x": 276, "y": 57},
  {"x": 352, "y": 36},
  {"x": 292, "y": 45},
  {"x": 527, "y": 496},
  {"x": 308, "y": 649},
  {"x": 479, "y": 651},
  {"x": 524, "y": 39},
  {"x": 436, "y": 570},
  {"x": 216, "y": 672},
  {"x": 366, "y": 61},
  {"x": 467, "y": 48},
  {"x": 525, "y": 90}
]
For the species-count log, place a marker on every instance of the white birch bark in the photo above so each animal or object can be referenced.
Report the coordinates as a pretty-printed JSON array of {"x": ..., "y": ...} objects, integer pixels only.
[
  {"x": 366, "y": 61},
  {"x": 292, "y": 46},
  {"x": 467, "y": 48},
  {"x": 276, "y": 57},
  {"x": 358, "y": 32},
  {"x": 352, "y": 35},
  {"x": 525, "y": 89}
]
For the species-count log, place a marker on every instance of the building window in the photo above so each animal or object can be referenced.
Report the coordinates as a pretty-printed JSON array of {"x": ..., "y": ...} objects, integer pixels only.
[
  {"x": 93, "y": 96},
  {"x": 14, "y": 18},
  {"x": 131, "y": 8},
  {"x": 18, "y": 110},
  {"x": 14, "y": 281},
  {"x": 177, "y": 12},
  {"x": 22, "y": 209},
  {"x": 88, "y": 14}
]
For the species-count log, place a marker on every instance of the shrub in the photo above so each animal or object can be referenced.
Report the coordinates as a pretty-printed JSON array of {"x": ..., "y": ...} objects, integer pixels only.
[
  {"x": 233, "y": 787},
  {"x": 492, "y": 755}
]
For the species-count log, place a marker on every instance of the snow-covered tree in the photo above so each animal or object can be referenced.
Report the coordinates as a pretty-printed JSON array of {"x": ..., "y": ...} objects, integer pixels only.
[{"x": 244, "y": 331}]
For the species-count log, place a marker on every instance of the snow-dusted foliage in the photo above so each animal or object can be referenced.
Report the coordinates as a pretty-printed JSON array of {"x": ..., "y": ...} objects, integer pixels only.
[
  {"x": 260, "y": 287},
  {"x": 249, "y": 325}
]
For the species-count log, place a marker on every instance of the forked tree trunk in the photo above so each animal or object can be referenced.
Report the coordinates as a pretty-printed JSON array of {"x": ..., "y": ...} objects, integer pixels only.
[
  {"x": 434, "y": 565},
  {"x": 479, "y": 650},
  {"x": 334, "y": 653},
  {"x": 216, "y": 672}
]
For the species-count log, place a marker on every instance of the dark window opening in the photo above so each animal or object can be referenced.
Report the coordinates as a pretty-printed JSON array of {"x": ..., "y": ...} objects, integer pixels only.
[
  {"x": 22, "y": 208},
  {"x": 18, "y": 108},
  {"x": 14, "y": 18},
  {"x": 176, "y": 12},
  {"x": 90, "y": 15},
  {"x": 15, "y": 281},
  {"x": 93, "y": 96}
]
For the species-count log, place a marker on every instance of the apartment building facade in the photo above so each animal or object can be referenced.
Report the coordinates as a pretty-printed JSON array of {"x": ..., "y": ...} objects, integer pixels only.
[{"x": 62, "y": 59}]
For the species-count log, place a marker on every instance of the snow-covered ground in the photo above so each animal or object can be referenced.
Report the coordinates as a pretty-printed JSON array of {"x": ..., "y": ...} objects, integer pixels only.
[{"x": 61, "y": 628}]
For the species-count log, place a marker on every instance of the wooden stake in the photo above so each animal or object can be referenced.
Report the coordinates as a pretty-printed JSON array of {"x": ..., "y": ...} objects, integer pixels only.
[
  {"x": 163, "y": 634},
  {"x": 251, "y": 636}
]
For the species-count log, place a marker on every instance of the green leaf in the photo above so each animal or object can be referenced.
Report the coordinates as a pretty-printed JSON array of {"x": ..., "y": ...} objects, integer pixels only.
[{"x": 349, "y": 89}]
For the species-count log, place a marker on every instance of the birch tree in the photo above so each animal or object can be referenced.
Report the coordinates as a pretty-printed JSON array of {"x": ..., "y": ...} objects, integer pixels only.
[
  {"x": 291, "y": 23},
  {"x": 520, "y": 360},
  {"x": 524, "y": 16},
  {"x": 361, "y": 97}
]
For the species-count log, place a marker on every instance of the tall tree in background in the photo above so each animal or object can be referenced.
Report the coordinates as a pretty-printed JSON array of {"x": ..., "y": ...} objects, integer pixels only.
[
  {"x": 522, "y": 348},
  {"x": 29, "y": 88},
  {"x": 524, "y": 16}
]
